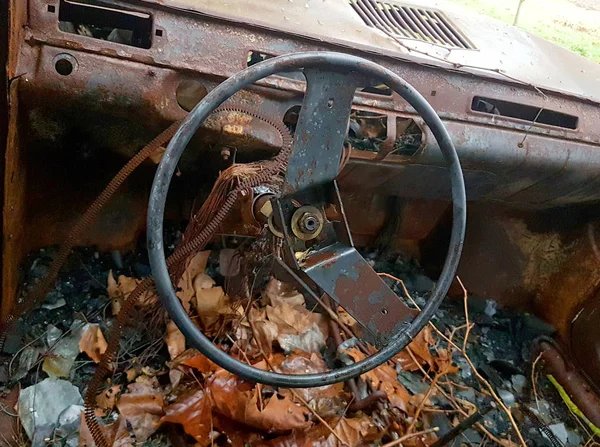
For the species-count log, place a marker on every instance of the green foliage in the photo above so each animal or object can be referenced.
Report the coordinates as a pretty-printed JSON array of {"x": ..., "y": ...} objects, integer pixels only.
[{"x": 559, "y": 21}]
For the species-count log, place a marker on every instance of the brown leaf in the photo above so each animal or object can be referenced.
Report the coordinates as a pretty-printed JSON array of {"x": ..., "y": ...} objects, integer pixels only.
[
  {"x": 237, "y": 434},
  {"x": 299, "y": 329},
  {"x": 193, "y": 412},
  {"x": 119, "y": 290},
  {"x": 209, "y": 299},
  {"x": 352, "y": 431},
  {"x": 107, "y": 399},
  {"x": 157, "y": 155},
  {"x": 92, "y": 342},
  {"x": 142, "y": 407},
  {"x": 444, "y": 363},
  {"x": 236, "y": 400},
  {"x": 313, "y": 364},
  {"x": 195, "y": 266},
  {"x": 277, "y": 292},
  {"x": 266, "y": 331},
  {"x": 278, "y": 415},
  {"x": 289, "y": 319},
  {"x": 174, "y": 339},
  {"x": 116, "y": 434},
  {"x": 420, "y": 349},
  {"x": 384, "y": 378},
  {"x": 194, "y": 359}
]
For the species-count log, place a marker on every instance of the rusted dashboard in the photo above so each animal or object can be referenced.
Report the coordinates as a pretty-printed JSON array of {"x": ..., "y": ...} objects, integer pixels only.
[
  {"x": 505, "y": 157},
  {"x": 82, "y": 102}
]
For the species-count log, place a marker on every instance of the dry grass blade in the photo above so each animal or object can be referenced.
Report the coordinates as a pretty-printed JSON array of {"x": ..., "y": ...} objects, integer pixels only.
[
  {"x": 480, "y": 377},
  {"x": 462, "y": 350},
  {"x": 534, "y": 380},
  {"x": 408, "y": 436},
  {"x": 294, "y": 393}
]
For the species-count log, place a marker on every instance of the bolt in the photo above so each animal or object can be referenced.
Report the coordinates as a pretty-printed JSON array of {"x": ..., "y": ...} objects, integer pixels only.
[{"x": 309, "y": 223}]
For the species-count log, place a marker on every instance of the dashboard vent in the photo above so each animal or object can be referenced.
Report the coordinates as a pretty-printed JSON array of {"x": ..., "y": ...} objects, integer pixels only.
[{"x": 411, "y": 22}]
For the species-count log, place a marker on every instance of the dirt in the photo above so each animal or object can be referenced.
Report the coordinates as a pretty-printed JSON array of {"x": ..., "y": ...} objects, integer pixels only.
[{"x": 499, "y": 346}]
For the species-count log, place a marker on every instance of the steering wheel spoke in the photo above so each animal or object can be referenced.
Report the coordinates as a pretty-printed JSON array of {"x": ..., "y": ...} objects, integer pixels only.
[{"x": 321, "y": 129}]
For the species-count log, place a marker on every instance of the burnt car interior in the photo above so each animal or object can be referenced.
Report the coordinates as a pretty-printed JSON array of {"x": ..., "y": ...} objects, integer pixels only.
[{"x": 303, "y": 146}]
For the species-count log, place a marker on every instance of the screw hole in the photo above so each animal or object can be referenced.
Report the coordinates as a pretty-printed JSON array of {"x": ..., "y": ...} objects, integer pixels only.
[
  {"x": 51, "y": 8},
  {"x": 159, "y": 32},
  {"x": 384, "y": 311},
  {"x": 330, "y": 103},
  {"x": 64, "y": 67}
]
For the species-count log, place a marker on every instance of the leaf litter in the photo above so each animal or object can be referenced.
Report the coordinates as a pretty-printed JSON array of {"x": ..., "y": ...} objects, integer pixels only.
[{"x": 166, "y": 393}]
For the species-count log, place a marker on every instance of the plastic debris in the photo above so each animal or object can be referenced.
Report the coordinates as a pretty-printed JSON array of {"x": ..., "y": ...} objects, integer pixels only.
[
  {"x": 68, "y": 425},
  {"x": 507, "y": 397},
  {"x": 40, "y": 407},
  {"x": 560, "y": 432},
  {"x": 62, "y": 353},
  {"x": 518, "y": 382},
  {"x": 60, "y": 302},
  {"x": 27, "y": 359}
]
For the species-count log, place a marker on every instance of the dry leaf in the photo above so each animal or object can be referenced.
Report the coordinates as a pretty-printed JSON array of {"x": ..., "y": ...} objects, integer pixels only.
[
  {"x": 119, "y": 290},
  {"x": 193, "y": 412},
  {"x": 194, "y": 359},
  {"x": 277, "y": 292},
  {"x": 174, "y": 339},
  {"x": 444, "y": 363},
  {"x": 116, "y": 434},
  {"x": 313, "y": 364},
  {"x": 298, "y": 328},
  {"x": 92, "y": 342},
  {"x": 107, "y": 399},
  {"x": 420, "y": 349},
  {"x": 142, "y": 407},
  {"x": 185, "y": 287},
  {"x": 209, "y": 299},
  {"x": 384, "y": 378},
  {"x": 236, "y": 400},
  {"x": 157, "y": 155},
  {"x": 289, "y": 319},
  {"x": 352, "y": 431},
  {"x": 131, "y": 374},
  {"x": 265, "y": 331}
]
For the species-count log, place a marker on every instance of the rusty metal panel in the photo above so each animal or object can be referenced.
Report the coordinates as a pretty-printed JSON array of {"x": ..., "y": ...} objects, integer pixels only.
[
  {"x": 14, "y": 212},
  {"x": 345, "y": 276}
]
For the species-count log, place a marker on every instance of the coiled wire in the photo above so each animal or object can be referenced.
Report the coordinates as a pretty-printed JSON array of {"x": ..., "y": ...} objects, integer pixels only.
[
  {"x": 38, "y": 292},
  {"x": 273, "y": 167}
]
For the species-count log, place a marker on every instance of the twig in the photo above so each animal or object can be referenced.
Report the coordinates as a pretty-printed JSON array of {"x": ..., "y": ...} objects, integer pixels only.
[
  {"x": 294, "y": 393},
  {"x": 533, "y": 380},
  {"x": 401, "y": 439},
  {"x": 423, "y": 402},
  {"x": 462, "y": 426},
  {"x": 453, "y": 400},
  {"x": 5, "y": 411},
  {"x": 480, "y": 377},
  {"x": 408, "y": 295}
]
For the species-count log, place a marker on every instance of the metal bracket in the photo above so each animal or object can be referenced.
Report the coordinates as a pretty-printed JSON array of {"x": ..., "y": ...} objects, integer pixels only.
[{"x": 329, "y": 260}]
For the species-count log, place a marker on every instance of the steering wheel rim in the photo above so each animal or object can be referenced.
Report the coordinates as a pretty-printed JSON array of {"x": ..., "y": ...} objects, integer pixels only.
[{"x": 167, "y": 167}]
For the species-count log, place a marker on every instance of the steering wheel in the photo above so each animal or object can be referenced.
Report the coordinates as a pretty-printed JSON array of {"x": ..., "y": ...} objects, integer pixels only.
[{"x": 332, "y": 79}]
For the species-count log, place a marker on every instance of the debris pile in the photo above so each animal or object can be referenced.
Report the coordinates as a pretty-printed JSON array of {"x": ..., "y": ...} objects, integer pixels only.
[{"x": 466, "y": 379}]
